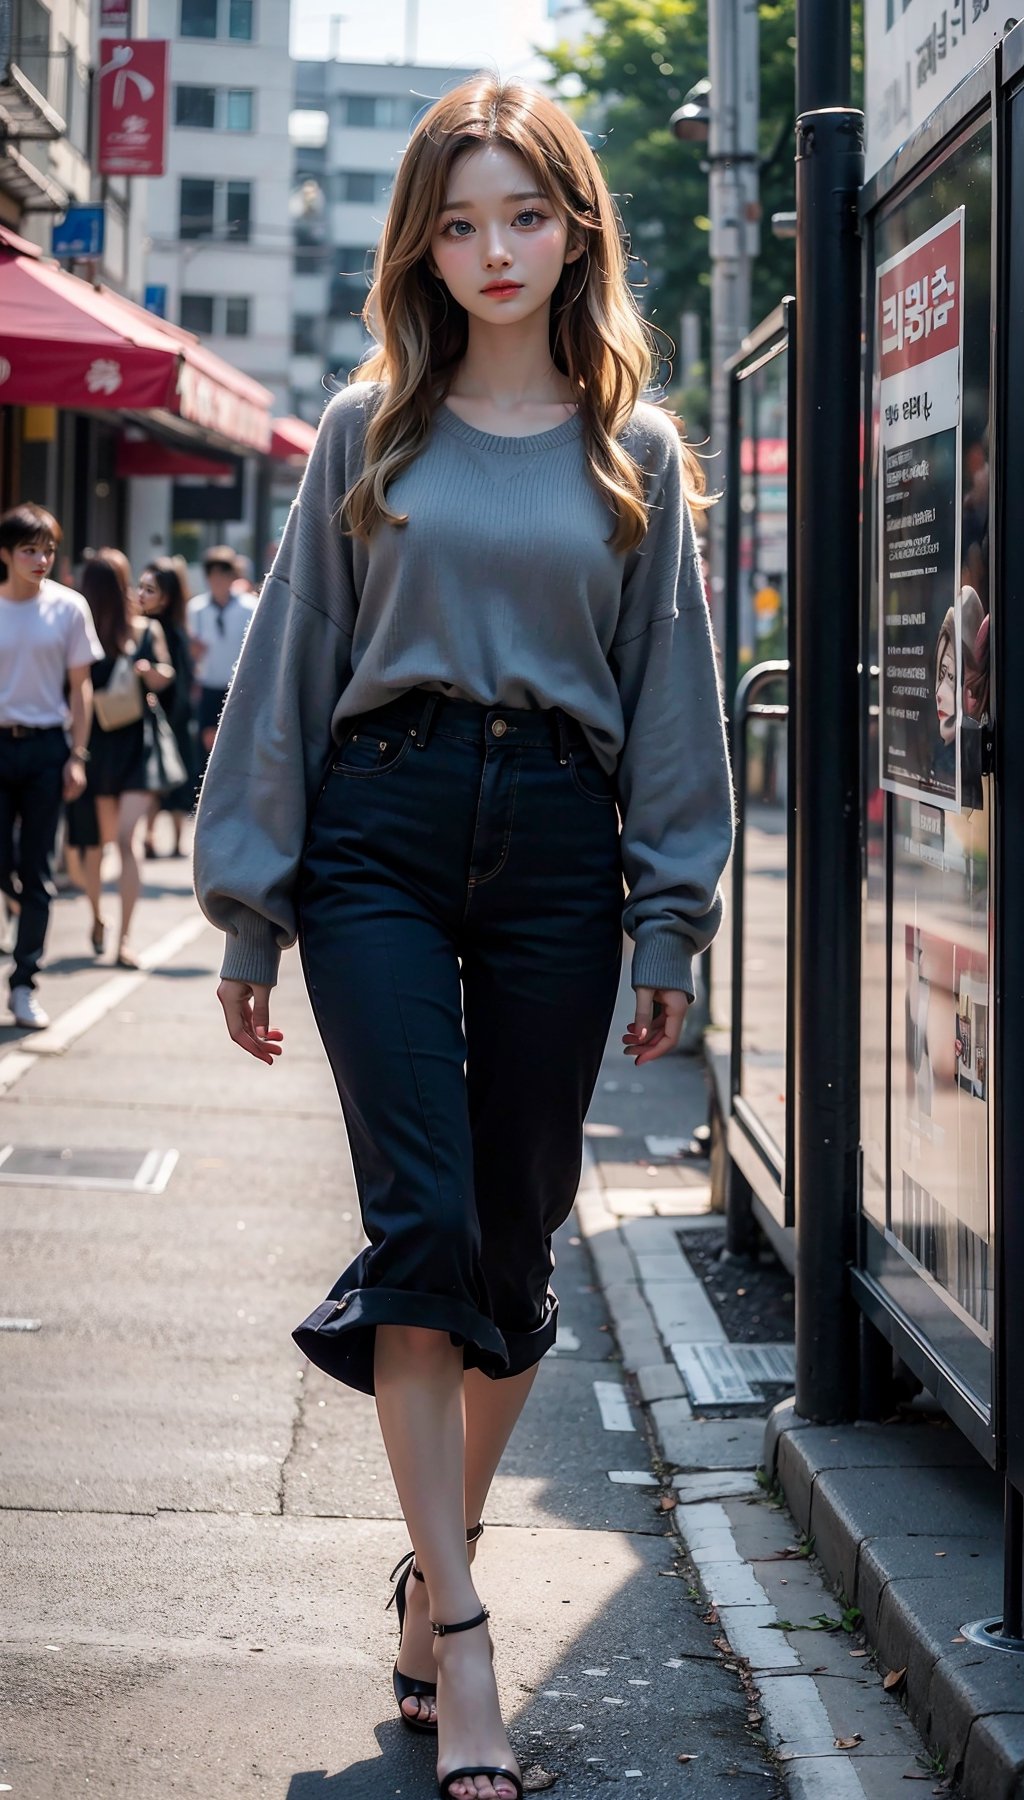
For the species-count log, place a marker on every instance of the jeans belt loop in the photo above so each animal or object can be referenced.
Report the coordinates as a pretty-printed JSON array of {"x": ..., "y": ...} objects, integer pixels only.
[{"x": 421, "y": 731}]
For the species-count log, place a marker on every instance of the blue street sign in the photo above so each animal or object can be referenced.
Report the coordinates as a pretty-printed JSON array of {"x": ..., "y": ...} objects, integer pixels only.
[
  {"x": 154, "y": 299},
  {"x": 80, "y": 233}
]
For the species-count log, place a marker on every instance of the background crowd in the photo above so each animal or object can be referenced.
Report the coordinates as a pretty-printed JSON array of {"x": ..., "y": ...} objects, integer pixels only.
[{"x": 110, "y": 692}]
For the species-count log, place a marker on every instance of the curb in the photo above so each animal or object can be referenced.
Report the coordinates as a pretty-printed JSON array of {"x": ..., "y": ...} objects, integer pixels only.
[
  {"x": 656, "y": 1301},
  {"x": 909, "y": 1520}
]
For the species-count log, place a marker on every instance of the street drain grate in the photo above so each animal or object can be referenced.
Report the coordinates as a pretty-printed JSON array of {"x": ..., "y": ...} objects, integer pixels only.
[
  {"x": 132, "y": 1171},
  {"x": 721, "y": 1374}
]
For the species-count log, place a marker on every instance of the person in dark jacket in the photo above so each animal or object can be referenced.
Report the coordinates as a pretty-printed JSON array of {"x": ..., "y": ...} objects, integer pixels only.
[{"x": 162, "y": 597}]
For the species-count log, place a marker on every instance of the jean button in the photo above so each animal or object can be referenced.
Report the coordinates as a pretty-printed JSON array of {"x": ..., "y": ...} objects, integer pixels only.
[{"x": 499, "y": 728}]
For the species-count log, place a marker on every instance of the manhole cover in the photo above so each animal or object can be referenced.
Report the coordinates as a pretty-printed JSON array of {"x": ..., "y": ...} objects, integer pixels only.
[
  {"x": 721, "y": 1374},
  {"x": 139, "y": 1171}
]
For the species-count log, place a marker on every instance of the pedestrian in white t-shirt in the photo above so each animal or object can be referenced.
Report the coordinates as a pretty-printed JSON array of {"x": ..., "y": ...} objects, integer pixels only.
[
  {"x": 47, "y": 645},
  {"x": 217, "y": 623}
]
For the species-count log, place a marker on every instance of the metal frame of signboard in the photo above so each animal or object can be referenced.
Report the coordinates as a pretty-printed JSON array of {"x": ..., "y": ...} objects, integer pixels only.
[
  {"x": 762, "y": 1177},
  {"x": 975, "y": 101}
]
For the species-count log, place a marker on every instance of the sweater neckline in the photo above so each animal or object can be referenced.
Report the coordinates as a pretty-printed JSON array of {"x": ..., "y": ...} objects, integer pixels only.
[{"x": 492, "y": 440}]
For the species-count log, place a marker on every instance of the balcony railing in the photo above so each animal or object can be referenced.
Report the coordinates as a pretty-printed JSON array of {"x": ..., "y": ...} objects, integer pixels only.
[{"x": 27, "y": 114}]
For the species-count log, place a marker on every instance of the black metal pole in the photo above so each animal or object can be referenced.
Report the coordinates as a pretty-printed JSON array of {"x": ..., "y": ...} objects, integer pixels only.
[
  {"x": 829, "y": 173},
  {"x": 823, "y": 68}
]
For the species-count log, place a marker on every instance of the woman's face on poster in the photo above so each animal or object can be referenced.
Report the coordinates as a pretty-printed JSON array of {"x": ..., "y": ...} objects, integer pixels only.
[{"x": 945, "y": 693}]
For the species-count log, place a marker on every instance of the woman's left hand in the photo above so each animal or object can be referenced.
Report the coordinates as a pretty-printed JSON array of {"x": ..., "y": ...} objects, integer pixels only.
[{"x": 657, "y": 1023}]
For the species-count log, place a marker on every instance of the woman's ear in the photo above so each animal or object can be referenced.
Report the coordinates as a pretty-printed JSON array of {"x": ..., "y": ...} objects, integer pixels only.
[{"x": 574, "y": 252}]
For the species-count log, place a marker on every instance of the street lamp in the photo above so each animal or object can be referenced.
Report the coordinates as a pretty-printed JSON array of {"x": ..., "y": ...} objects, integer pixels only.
[{"x": 692, "y": 121}]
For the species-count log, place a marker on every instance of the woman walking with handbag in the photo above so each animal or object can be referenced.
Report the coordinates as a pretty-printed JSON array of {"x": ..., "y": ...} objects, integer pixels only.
[
  {"x": 483, "y": 641},
  {"x": 136, "y": 666},
  {"x": 162, "y": 597}
]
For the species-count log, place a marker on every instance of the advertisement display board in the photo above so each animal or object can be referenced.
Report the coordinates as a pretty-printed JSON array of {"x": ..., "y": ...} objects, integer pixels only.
[
  {"x": 915, "y": 53},
  {"x": 133, "y": 106},
  {"x": 926, "y": 1018},
  {"x": 918, "y": 324}
]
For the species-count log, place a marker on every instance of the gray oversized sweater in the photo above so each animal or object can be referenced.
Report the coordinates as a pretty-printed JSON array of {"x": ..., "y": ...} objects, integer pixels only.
[{"x": 502, "y": 589}]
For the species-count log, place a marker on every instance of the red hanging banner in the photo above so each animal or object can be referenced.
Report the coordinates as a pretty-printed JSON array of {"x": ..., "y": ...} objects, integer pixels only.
[
  {"x": 116, "y": 16},
  {"x": 133, "y": 106}
]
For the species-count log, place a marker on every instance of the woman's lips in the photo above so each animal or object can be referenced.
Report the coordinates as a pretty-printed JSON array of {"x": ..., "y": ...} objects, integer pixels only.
[{"x": 502, "y": 287}]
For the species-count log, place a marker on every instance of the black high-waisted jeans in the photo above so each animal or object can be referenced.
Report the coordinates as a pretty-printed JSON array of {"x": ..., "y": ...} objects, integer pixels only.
[{"x": 460, "y": 901}]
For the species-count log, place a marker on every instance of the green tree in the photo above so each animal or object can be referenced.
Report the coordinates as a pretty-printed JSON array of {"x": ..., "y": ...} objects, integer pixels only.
[{"x": 633, "y": 72}]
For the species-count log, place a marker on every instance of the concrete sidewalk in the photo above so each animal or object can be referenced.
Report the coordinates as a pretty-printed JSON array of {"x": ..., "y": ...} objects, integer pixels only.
[{"x": 794, "y": 1610}]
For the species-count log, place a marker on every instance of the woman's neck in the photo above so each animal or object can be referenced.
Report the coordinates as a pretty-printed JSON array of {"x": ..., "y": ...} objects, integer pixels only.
[{"x": 510, "y": 366}]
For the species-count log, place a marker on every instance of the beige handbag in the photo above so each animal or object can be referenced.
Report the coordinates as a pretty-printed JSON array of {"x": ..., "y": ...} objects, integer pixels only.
[{"x": 121, "y": 701}]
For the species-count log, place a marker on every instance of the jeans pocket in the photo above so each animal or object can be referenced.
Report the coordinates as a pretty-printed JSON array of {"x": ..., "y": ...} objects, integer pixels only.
[
  {"x": 372, "y": 749},
  {"x": 590, "y": 780}
]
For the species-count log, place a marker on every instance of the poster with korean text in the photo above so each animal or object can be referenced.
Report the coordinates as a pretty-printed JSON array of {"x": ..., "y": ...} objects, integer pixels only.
[{"x": 919, "y": 333}]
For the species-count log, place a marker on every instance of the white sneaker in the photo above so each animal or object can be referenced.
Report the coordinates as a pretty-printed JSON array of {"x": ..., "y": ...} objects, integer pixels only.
[{"x": 26, "y": 1010}]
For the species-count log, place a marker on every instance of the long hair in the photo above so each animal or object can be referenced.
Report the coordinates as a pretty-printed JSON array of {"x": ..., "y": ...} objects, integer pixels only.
[
  {"x": 599, "y": 340},
  {"x": 172, "y": 599},
  {"x": 104, "y": 589}
]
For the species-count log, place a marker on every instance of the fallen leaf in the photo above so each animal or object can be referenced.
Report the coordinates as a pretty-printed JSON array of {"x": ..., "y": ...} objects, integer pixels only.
[
  {"x": 894, "y": 1679},
  {"x": 848, "y": 1743},
  {"x": 536, "y": 1779},
  {"x": 940, "y": 1553},
  {"x": 667, "y": 1502},
  {"x": 958, "y": 1640},
  {"x": 915, "y": 1777},
  {"x": 858, "y": 1653},
  {"x": 685, "y": 1757}
]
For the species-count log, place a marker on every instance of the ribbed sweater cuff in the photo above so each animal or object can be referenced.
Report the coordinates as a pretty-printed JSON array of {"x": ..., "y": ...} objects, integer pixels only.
[
  {"x": 661, "y": 960},
  {"x": 252, "y": 953}
]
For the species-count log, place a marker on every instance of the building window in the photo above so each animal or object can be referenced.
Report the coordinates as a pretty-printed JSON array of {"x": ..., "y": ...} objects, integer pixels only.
[
  {"x": 236, "y": 315},
  {"x": 196, "y": 313},
  {"x": 207, "y": 108},
  {"x": 220, "y": 209},
  {"x": 238, "y": 109},
  {"x": 350, "y": 280},
  {"x": 240, "y": 20},
  {"x": 305, "y": 335},
  {"x": 196, "y": 106},
  {"x": 309, "y": 259},
  {"x": 199, "y": 18},
  {"x": 217, "y": 18},
  {"x": 362, "y": 187},
  {"x": 381, "y": 112},
  {"x": 215, "y": 315}
]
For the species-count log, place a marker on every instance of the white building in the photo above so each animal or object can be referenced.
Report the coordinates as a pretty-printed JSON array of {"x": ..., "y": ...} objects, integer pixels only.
[
  {"x": 342, "y": 179},
  {"x": 218, "y": 221}
]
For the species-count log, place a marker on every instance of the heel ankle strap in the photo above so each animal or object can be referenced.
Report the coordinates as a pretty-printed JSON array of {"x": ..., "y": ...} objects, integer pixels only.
[
  {"x": 463, "y": 1625},
  {"x": 474, "y": 1532}
]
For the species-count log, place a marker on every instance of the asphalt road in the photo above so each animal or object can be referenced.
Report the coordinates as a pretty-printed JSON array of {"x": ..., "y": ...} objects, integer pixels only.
[{"x": 197, "y": 1527}]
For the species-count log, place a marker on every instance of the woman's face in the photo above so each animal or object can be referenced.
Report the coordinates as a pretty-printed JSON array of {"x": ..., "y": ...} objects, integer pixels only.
[
  {"x": 499, "y": 246},
  {"x": 150, "y": 596},
  {"x": 28, "y": 563},
  {"x": 945, "y": 693}
]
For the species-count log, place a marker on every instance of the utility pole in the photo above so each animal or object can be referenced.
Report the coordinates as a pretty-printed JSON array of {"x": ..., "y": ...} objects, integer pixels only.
[
  {"x": 412, "y": 22},
  {"x": 734, "y": 72}
]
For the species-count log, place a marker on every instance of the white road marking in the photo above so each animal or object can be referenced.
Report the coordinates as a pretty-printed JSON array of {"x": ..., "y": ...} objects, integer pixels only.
[
  {"x": 567, "y": 1340},
  {"x": 611, "y": 1398},
  {"x": 633, "y": 1477},
  {"x": 95, "y": 1006},
  {"x": 20, "y": 1324}
]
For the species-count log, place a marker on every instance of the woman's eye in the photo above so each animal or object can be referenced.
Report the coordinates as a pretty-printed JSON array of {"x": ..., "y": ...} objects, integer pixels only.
[
  {"x": 452, "y": 229},
  {"x": 530, "y": 215}
]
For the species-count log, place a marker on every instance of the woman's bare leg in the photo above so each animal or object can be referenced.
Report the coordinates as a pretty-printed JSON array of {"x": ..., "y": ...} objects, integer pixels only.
[
  {"x": 84, "y": 870},
  {"x": 418, "y": 1378},
  {"x": 132, "y": 809},
  {"x": 492, "y": 1408}
]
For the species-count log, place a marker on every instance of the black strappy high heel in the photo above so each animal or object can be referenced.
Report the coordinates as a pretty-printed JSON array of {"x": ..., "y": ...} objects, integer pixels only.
[
  {"x": 445, "y": 1782},
  {"x": 408, "y": 1687}
]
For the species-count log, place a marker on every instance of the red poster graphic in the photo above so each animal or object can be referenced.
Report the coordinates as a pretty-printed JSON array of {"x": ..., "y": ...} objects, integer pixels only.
[
  {"x": 133, "y": 106},
  {"x": 116, "y": 16},
  {"x": 919, "y": 302}
]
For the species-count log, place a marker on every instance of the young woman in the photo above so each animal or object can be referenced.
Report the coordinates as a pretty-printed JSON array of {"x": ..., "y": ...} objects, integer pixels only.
[
  {"x": 486, "y": 614},
  {"x": 118, "y": 784},
  {"x": 162, "y": 597}
]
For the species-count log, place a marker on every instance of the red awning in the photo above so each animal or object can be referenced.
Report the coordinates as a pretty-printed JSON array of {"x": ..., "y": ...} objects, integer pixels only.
[
  {"x": 292, "y": 440},
  {"x": 65, "y": 343},
  {"x": 145, "y": 456}
]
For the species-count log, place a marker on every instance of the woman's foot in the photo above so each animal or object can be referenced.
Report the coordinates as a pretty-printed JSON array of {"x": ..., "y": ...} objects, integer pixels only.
[
  {"x": 149, "y": 849},
  {"x": 98, "y": 933},
  {"x": 126, "y": 957},
  {"x": 416, "y": 1655},
  {"x": 470, "y": 1731}
]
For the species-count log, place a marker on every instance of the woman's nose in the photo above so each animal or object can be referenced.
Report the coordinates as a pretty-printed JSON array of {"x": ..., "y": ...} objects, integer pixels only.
[{"x": 498, "y": 254}]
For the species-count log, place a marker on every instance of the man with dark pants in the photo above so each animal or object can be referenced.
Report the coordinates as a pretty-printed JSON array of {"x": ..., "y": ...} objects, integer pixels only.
[
  {"x": 217, "y": 623},
  {"x": 47, "y": 643}
]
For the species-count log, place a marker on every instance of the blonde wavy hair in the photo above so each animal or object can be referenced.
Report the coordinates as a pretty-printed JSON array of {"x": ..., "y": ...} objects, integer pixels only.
[{"x": 599, "y": 340}]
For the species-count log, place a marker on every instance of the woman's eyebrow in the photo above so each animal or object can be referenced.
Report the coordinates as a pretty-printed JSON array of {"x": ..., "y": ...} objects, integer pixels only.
[{"x": 468, "y": 205}]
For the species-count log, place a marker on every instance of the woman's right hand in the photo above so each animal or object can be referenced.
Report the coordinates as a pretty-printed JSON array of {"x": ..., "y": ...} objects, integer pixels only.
[{"x": 247, "y": 1015}]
